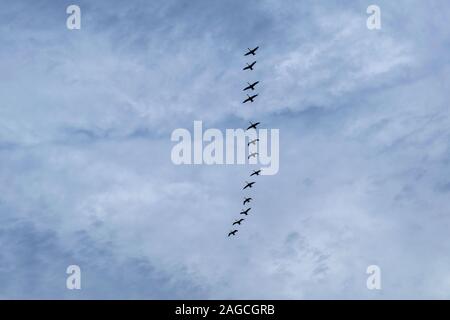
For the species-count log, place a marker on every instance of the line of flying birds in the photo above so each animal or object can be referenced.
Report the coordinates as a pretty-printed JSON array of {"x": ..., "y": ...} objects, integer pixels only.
[
  {"x": 251, "y": 86},
  {"x": 250, "y": 98}
]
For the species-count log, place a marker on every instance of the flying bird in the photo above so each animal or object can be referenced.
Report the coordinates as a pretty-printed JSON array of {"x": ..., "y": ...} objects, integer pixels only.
[
  {"x": 238, "y": 222},
  {"x": 256, "y": 172},
  {"x": 247, "y": 200},
  {"x": 253, "y": 142},
  {"x": 250, "y": 98},
  {"x": 251, "y": 51},
  {"x": 251, "y": 86},
  {"x": 254, "y": 154},
  {"x": 249, "y": 66},
  {"x": 232, "y": 233},
  {"x": 253, "y": 126},
  {"x": 248, "y": 185},
  {"x": 245, "y": 211}
]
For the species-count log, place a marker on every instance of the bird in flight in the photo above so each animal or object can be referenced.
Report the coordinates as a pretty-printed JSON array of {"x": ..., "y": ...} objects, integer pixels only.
[
  {"x": 253, "y": 125},
  {"x": 254, "y": 154},
  {"x": 256, "y": 172},
  {"x": 249, "y": 185},
  {"x": 250, "y": 98},
  {"x": 251, "y": 51},
  {"x": 253, "y": 142},
  {"x": 247, "y": 200},
  {"x": 251, "y": 86},
  {"x": 232, "y": 233},
  {"x": 249, "y": 66},
  {"x": 245, "y": 211},
  {"x": 238, "y": 222}
]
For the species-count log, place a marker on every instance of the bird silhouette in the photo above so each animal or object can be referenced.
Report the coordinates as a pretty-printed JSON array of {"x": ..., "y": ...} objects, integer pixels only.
[
  {"x": 232, "y": 233},
  {"x": 251, "y": 86},
  {"x": 247, "y": 200},
  {"x": 250, "y": 98},
  {"x": 254, "y": 154},
  {"x": 253, "y": 142},
  {"x": 238, "y": 222},
  {"x": 253, "y": 125},
  {"x": 245, "y": 211},
  {"x": 249, "y": 66},
  {"x": 249, "y": 185},
  {"x": 256, "y": 172},
  {"x": 251, "y": 51}
]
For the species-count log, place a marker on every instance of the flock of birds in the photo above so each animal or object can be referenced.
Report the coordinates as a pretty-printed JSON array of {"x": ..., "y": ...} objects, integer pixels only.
[{"x": 250, "y": 98}]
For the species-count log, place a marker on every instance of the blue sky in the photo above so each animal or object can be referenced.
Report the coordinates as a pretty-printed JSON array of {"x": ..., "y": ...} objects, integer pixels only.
[{"x": 85, "y": 170}]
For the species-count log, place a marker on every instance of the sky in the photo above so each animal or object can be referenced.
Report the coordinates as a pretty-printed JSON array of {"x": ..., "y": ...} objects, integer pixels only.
[{"x": 86, "y": 176}]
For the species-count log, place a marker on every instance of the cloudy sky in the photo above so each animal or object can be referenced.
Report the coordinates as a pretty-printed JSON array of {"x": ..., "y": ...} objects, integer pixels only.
[{"x": 86, "y": 176}]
